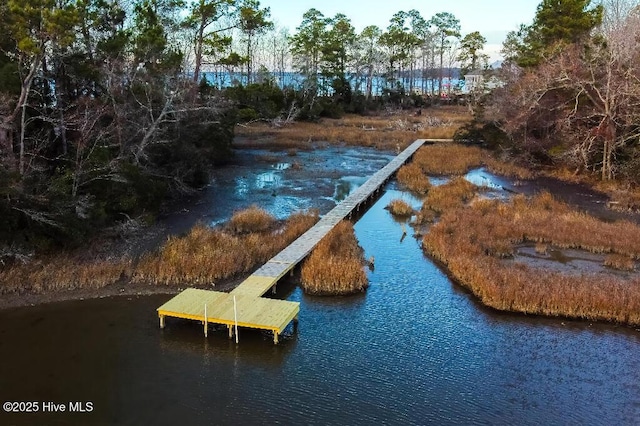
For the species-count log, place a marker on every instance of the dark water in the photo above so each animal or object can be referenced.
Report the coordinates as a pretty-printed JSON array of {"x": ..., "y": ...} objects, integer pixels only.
[
  {"x": 279, "y": 183},
  {"x": 415, "y": 349}
]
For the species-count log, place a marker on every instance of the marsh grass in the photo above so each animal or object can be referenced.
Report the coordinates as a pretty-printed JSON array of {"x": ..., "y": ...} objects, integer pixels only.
[
  {"x": 619, "y": 261},
  {"x": 541, "y": 248},
  {"x": 412, "y": 177},
  {"x": 471, "y": 239},
  {"x": 336, "y": 265},
  {"x": 400, "y": 208},
  {"x": 384, "y": 131},
  {"x": 253, "y": 219},
  {"x": 63, "y": 272},
  {"x": 203, "y": 256},
  {"x": 452, "y": 194},
  {"x": 625, "y": 200},
  {"x": 454, "y": 159}
]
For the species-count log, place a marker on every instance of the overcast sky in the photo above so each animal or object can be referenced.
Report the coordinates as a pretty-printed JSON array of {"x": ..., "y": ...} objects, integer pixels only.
[{"x": 493, "y": 18}]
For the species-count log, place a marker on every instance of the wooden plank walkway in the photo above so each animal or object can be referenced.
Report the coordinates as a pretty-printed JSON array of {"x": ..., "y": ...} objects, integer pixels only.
[{"x": 252, "y": 310}]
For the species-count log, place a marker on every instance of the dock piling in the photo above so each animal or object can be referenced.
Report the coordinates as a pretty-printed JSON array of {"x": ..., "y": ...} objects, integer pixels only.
[
  {"x": 206, "y": 328},
  {"x": 235, "y": 316}
]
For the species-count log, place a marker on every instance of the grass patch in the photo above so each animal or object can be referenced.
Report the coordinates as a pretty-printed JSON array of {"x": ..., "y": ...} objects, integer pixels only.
[
  {"x": 454, "y": 193},
  {"x": 471, "y": 239},
  {"x": 400, "y": 208},
  {"x": 253, "y": 219},
  {"x": 411, "y": 177},
  {"x": 336, "y": 265},
  {"x": 541, "y": 248},
  {"x": 619, "y": 261},
  {"x": 203, "y": 256},
  {"x": 207, "y": 255},
  {"x": 63, "y": 272},
  {"x": 388, "y": 131},
  {"x": 454, "y": 159}
]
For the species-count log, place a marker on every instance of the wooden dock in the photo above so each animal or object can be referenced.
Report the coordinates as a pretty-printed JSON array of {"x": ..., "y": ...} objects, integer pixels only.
[{"x": 244, "y": 306}]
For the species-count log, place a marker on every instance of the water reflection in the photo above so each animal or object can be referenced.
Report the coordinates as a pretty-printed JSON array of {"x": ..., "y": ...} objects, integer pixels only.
[{"x": 346, "y": 185}]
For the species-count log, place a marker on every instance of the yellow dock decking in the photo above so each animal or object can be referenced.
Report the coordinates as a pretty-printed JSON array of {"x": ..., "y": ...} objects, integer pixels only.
[
  {"x": 252, "y": 310},
  {"x": 249, "y": 312}
]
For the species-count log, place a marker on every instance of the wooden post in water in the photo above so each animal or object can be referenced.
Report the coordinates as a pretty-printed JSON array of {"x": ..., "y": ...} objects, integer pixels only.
[
  {"x": 206, "y": 328},
  {"x": 161, "y": 321},
  {"x": 275, "y": 337},
  {"x": 235, "y": 316}
]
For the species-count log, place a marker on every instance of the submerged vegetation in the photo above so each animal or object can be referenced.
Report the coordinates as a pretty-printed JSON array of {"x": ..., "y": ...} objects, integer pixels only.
[{"x": 336, "y": 265}]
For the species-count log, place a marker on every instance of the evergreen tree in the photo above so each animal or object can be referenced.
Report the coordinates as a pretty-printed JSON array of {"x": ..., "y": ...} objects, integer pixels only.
[
  {"x": 556, "y": 24},
  {"x": 447, "y": 27},
  {"x": 471, "y": 56}
]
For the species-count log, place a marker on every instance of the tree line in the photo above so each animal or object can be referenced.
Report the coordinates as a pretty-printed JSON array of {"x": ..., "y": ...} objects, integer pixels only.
[{"x": 105, "y": 108}]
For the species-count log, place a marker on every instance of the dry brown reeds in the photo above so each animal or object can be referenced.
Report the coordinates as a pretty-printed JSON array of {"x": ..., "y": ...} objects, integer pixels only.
[
  {"x": 625, "y": 200},
  {"x": 400, "y": 208},
  {"x": 469, "y": 241},
  {"x": 336, "y": 265},
  {"x": 454, "y": 159},
  {"x": 541, "y": 248},
  {"x": 253, "y": 219},
  {"x": 384, "y": 131},
  {"x": 619, "y": 261},
  {"x": 63, "y": 273},
  {"x": 203, "y": 256},
  {"x": 454, "y": 193},
  {"x": 207, "y": 255},
  {"x": 448, "y": 159},
  {"x": 411, "y": 177}
]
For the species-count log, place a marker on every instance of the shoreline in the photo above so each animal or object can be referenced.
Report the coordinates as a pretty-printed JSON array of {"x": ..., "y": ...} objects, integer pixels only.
[
  {"x": 17, "y": 300},
  {"x": 21, "y": 301}
]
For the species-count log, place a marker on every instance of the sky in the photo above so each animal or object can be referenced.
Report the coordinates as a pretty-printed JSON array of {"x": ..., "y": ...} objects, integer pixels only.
[{"x": 493, "y": 18}]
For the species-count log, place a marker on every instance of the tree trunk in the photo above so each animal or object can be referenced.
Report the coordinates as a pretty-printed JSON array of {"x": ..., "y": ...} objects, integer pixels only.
[
  {"x": 248, "y": 60},
  {"x": 198, "y": 53},
  {"x": 6, "y": 145},
  {"x": 23, "y": 119}
]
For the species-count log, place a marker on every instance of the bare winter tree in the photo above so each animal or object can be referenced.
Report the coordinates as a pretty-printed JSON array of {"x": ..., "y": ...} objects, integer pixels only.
[{"x": 582, "y": 105}]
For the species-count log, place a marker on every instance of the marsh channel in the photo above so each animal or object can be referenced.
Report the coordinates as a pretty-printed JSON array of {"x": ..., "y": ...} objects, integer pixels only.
[{"x": 414, "y": 349}]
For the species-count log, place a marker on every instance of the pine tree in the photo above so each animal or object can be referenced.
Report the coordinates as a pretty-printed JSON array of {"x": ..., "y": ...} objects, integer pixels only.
[{"x": 557, "y": 23}]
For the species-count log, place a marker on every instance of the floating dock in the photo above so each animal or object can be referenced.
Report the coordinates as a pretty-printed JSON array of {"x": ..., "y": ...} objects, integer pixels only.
[{"x": 245, "y": 306}]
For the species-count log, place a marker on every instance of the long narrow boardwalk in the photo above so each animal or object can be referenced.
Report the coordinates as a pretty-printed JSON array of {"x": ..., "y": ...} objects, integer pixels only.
[{"x": 244, "y": 306}]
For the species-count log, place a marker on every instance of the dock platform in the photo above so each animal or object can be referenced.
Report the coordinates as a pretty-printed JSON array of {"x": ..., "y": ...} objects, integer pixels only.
[{"x": 245, "y": 306}]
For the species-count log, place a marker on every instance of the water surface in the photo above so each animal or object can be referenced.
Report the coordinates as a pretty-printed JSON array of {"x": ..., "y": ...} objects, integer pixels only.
[{"x": 413, "y": 349}]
